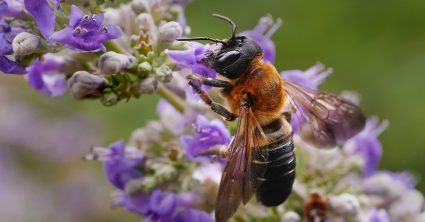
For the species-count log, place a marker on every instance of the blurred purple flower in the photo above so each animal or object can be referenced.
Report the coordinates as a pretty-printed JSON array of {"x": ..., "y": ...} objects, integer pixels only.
[
  {"x": 85, "y": 32},
  {"x": 171, "y": 119},
  {"x": 165, "y": 206},
  {"x": 367, "y": 145},
  {"x": 7, "y": 34},
  {"x": 407, "y": 179},
  {"x": 193, "y": 58},
  {"x": 378, "y": 216},
  {"x": 310, "y": 78},
  {"x": 120, "y": 161},
  {"x": 46, "y": 76},
  {"x": 11, "y": 8},
  {"x": 43, "y": 14},
  {"x": 208, "y": 134},
  {"x": 262, "y": 34},
  {"x": 192, "y": 215}
]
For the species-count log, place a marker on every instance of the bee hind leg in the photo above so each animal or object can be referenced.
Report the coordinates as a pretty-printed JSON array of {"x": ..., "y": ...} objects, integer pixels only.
[
  {"x": 219, "y": 109},
  {"x": 219, "y": 151}
]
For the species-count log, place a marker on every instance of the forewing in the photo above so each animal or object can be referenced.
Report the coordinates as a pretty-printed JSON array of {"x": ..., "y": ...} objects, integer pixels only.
[
  {"x": 238, "y": 181},
  {"x": 323, "y": 119}
]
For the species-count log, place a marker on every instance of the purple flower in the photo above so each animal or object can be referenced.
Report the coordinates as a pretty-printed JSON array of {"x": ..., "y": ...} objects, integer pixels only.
[
  {"x": 85, "y": 32},
  {"x": 192, "y": 215},
  {"x": 171, "y": 119},
  {"x": 43, "y": 15},
  {"x": 208, "y": 134},
  {"x": 7, "y": 34},
  {"x": 378, "y": 216},
  {"x": 160, "y": 206},
  {"x": 367, "y": 145},
  {"x": 121, "y": 163},
  {"x": 46, "y": 76},
  {"x": 262, "y": 34},
  {"x": 11, "y": 8},
  {"x": 193, "y": 58},
  {"x": 310, "y": 78}
]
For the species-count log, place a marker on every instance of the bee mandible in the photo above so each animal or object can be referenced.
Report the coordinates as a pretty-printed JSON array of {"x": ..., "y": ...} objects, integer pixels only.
[{"x": 261, "y": 156}]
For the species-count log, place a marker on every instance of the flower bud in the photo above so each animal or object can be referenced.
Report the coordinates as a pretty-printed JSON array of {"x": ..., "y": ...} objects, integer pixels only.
[
  {"x": 146, "y": 23},
  {"x": 25, "y": 43},
  {"x": 169, "y": 32},
  {"x": 144, "y": 68},
  {"x": 148, "y": 85},
  {"x": 84, "y": 85},
  {"x": 112, "y": 62},
  {"x": 291, "y": 216},
  {"x": 139, "y": 6},
  {"x": 164, "y": 73},
  {"x": 345, "y": 204}
]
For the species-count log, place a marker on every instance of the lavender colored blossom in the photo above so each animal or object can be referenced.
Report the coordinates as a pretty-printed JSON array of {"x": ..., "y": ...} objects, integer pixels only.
[
  {"x": 11, "y": 8},
  {"x": 262, "y": 34},
  {"x": 192, "y": 215},
  {"x": 367, "y": 145},
  {"x": 47, "y": 76},
  {"x": 193, "y": 58},
  {"x": 208, "y": 134},
  {"x": 165, "y": 206},
  {"x": 85, "y": 32},
  {"x": 378, "y": 216},
  {"x": 310, "y": 78},
  {"x": 120, "y": 163},
  {"x": 7, "y": 34},
  {"x": 43, "y": 14}
]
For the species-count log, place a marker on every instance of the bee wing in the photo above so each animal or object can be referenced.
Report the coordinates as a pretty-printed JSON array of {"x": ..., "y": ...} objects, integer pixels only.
[
  {"x": 238, "y": 181},
  {"x": 323, "y": 119}
]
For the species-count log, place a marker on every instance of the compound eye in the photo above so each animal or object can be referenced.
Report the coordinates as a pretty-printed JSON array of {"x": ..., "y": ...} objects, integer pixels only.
[{"x": 227, "y": 58}]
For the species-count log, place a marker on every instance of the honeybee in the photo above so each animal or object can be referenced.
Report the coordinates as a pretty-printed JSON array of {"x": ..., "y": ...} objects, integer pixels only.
[{"x": 261, "y": 157}]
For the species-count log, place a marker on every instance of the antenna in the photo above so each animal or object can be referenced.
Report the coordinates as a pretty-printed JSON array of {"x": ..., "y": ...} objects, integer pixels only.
[
  {"x": 229, "y": 21},
  {"x": 202, "y": 38}
]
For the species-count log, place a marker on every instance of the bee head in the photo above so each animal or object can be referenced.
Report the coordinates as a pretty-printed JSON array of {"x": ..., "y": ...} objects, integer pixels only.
[{"x": 234, "y": 56}]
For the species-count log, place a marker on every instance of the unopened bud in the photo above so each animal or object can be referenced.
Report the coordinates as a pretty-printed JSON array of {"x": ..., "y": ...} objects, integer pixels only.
[
  {"x": 109, "y": 97},
  {"x": 112, "y": 62},
  {"x": 291, "y": 216},
  {"x": 139, "y": 6},
  {"x": 144, "y": 68},
  {"x": 146, "y": 23},
  {"x": 148, "y": 85},
  {"x": 25, "y": 43},
  {"x": 133, "y": 187},
  {"x": 169, "y": 32},
  {"x": 84, "y": 85},
  {"x": 346, "y": 205},
  {"x": 164, "y": 73}
]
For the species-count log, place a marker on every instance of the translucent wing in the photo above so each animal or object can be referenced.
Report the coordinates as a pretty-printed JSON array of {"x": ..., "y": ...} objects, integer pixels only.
[
  {"x": 239, "y": 178},
  {"x": 323, "y": 119}
]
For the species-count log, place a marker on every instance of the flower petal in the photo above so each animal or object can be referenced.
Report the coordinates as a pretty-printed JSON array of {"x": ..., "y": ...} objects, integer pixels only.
[{"x": 43, "y": 15}]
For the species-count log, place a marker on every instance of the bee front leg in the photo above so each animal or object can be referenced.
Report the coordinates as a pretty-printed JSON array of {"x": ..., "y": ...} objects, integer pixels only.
[
  {"x": 219, "y": 109},
  {"x": 227, "y": 86}
]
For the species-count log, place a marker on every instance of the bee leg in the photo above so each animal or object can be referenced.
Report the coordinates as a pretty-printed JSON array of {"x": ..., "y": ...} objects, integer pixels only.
[
  {"x": 288, "y": 116},
  {"x": 227, "y": 86},
  {"x": 219, "y": 151},
  {"x": 219, "y": 109}
]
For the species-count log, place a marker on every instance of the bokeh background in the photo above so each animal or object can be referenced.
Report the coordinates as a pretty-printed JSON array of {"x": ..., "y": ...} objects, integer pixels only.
[{"x": 376, "y": 48}]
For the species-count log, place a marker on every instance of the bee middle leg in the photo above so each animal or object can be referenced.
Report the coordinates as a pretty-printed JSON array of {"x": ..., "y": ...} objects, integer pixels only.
[{"x": 219, "y": 109}]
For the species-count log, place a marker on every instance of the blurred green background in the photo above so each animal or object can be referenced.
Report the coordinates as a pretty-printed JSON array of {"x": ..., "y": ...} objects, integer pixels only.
[{"x": 376, "y": 48}]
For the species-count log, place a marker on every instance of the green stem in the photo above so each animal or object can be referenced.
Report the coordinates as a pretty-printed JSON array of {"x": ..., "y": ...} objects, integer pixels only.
[
  {"x": 112, "y": 46},
  {"x": 172, "y": 99}
]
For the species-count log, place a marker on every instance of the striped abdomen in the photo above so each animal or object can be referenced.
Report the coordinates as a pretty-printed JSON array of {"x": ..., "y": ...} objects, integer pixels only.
[{"x": 276, "y": 184}]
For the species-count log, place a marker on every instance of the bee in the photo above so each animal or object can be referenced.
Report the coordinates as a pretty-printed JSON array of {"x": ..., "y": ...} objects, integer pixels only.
[{"x": 261, "y": 157}]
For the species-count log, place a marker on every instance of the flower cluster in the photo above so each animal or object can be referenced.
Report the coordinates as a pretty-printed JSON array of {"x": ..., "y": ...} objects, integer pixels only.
[{"x": 166, "y": 172}]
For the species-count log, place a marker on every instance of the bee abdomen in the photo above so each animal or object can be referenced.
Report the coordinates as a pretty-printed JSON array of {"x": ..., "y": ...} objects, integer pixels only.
[{"x": 276, "y": 184}]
